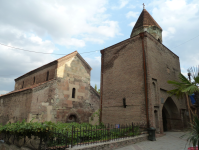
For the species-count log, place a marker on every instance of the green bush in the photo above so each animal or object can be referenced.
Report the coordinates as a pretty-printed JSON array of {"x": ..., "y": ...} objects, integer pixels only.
[{"x": 89, "y": 133}]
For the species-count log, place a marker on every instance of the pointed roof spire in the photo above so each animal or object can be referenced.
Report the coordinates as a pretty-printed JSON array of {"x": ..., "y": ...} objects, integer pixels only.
[{"x": 145, "y": 19}]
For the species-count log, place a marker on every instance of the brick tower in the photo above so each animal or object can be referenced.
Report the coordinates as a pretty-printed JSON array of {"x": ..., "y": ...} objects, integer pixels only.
[{"x": 134, "y": 75}]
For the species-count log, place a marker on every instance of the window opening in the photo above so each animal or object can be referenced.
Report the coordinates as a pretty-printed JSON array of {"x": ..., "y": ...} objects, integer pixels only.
[
  {"x": 72, "y": 118},
  {"x": 73, "y": 93},
  {"x": 47, "y": 76},
  {"x": 124, "y": 102},
  {"x": 23, "y": 85}
]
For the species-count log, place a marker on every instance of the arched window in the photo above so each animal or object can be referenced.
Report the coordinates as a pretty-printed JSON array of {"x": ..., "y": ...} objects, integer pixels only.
[
  {"x": 73, "y": 93},
  {"x": 47, "y": 76},
  {"x": 22, "y": 84},
  {"x": 34, "y": 80}
]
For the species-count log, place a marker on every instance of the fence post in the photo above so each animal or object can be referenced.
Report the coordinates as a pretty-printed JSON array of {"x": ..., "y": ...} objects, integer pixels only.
[
  {"x": 72, "y": 138},
  {"x": 40, "y": 141},
  {"x": 133, "y": 128},
  {"x": 108, "y": 132}
]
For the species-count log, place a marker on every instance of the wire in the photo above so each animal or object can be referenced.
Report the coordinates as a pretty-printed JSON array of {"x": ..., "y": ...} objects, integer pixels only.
[
  {"x": 187, "y": 41},
  {"x": 41, "y": 52},
  {"x": 79, "y": 53}
]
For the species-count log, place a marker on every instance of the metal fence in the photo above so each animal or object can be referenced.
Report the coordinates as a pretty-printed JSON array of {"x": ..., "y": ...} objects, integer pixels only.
[{"x": 60, "y": 139}]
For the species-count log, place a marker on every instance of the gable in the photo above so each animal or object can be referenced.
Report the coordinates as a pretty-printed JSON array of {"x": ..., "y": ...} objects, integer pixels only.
[{"x": 75, "y": 65}]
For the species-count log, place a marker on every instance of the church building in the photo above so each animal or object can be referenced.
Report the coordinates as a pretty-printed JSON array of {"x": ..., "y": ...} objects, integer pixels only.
[
  {"x": 134, "y": 75},
  {"x": 58, "y": 91}
]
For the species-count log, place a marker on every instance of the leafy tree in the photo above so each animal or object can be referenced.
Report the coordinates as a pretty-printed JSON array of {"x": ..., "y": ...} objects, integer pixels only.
[
  {"x": 96, "y": 87},
  {"x": 98, "y": 90},
  {"x": 185, "y": 86}
]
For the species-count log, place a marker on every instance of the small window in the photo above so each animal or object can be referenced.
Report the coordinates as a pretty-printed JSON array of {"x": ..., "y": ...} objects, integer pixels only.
[
  {"x": 22, "y": 84},
  {"x": 159, "y": 40},
  {"x": 47, "y": 76},
  {"x": 124, "y": 102},
  {"x": 34, "y": 80},
  {"x": 73, "y": 93}
]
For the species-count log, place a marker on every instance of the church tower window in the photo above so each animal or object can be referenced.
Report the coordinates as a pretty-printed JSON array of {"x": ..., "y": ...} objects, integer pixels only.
[{"x": 73, "y": 93}]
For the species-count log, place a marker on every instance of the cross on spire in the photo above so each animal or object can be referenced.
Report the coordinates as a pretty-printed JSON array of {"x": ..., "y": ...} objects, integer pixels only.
[{"x": 143, "y": 6}]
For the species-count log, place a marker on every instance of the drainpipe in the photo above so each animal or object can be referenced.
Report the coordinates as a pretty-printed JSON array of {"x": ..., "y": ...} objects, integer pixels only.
[
  {"x": 101, "y": 87},
  {"x": 145, "y": 79}
]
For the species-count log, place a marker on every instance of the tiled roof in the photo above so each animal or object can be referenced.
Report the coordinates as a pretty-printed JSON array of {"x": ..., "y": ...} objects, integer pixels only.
[{"x": 145, "y": 19}]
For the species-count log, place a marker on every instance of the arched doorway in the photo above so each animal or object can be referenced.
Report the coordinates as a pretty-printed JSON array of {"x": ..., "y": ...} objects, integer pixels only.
[
  {"x": 72, "y": 118},
  {"x": 171, "y": 119}
]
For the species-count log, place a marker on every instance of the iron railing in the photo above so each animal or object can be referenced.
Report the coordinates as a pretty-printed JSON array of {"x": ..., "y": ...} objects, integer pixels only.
[{"x": 62, "y": 139}]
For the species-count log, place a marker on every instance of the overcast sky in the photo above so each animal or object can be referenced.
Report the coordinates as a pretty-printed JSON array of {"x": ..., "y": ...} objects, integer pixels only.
[{"x": 60, "y": 26}]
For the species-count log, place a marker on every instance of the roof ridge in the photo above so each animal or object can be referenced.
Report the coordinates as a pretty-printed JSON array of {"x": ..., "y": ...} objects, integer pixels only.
[{"x": 45, "y": 65}]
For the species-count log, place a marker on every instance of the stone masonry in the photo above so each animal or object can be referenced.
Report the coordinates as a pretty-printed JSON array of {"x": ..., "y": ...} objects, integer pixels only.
[{"x": 58, "y": 91}]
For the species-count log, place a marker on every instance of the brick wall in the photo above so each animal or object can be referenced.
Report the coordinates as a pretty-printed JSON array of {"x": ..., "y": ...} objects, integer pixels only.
[
  {"x": 162, "y": 65},
  {"x": 123, "y": 77}
]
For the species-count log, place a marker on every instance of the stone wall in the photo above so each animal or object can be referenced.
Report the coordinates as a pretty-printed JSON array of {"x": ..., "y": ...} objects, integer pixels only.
[
  {"x": 74, "y": 75},
  {"x": 33, "y": 144},
  {"x": 54, "y": 101},
  {"x": 113, "y": 144},
  {"x": 43, "y": 98},
  {"x": 36, "y": 76},
  {"x": 123, "y": 78},
  {"x": 15, "y": 107}
]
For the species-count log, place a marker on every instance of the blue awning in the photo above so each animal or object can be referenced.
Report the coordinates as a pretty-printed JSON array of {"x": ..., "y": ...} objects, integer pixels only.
[{"x": 192, "y": 97}]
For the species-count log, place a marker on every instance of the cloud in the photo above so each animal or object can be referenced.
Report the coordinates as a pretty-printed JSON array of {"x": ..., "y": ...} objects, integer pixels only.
[
  {"x": 122, "y": 4},
  {"x": 66, "y": 22},
  {"x": 96, "y": 69},
  {"x": 41, "y": 26},
  {"x": 132, "y": 14},
  {"x": 132, "y": 24},
  {"x": 179, "y": 21}
]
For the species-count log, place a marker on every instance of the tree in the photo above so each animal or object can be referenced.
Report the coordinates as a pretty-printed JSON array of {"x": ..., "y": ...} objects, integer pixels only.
[
  {"x": 187, "y": 87},
  {"x": 184, "y": 86},
  {"x": 98, "y": 90}
]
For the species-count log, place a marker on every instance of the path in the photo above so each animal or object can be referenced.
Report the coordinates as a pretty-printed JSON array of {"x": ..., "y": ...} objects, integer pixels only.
[{"x": 170, "y": 141}]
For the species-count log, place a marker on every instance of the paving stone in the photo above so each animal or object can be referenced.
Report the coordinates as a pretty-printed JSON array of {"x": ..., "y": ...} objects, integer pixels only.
[{"x": 171, "y": 141}]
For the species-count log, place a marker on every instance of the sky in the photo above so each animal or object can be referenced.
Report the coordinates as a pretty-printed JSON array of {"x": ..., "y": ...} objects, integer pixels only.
[{"x": 62, "y": 27}]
